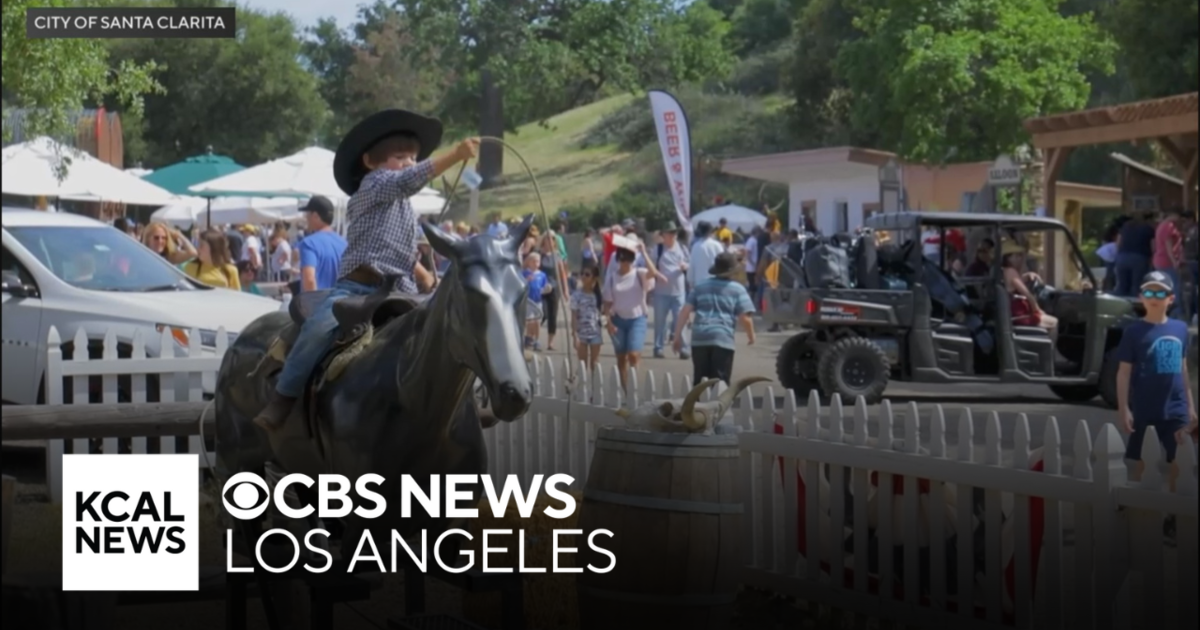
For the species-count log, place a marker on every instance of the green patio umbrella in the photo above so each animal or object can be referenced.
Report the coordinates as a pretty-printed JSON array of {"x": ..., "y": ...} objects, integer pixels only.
[{"x": 177, "y": 177}]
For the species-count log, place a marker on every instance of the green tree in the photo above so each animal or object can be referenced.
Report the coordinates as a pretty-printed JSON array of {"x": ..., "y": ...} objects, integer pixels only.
[
  {"x": 392, "y": 69},
  {"x": 820, "y": 114},
  {"x": 758, "y": 25},
  {"x": 525, "y": 60},
  {"x": 52, "y": 78},
  {"x": 329, "y": 52},
  {"x": 248, "y": 97},
  {"x": 956, "y": 79},
  {"x": 1158, "y": 40}
]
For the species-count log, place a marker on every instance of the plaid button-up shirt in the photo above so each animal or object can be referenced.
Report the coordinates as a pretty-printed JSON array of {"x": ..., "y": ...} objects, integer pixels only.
[{"x": 382, "y": 228}]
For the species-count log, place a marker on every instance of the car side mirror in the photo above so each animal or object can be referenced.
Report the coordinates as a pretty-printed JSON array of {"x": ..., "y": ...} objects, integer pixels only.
[{"x": 11, "y": 284}]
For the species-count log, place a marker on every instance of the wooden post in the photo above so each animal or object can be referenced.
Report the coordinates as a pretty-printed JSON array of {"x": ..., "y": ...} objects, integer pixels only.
[
  {"x": 1054, "y": 160},
  {"x": 1189, "y": 184},
  {"x": 1185, "y": 159},
  {"x": 9, "y": 497},
  {"x": 113, "y": 420}
]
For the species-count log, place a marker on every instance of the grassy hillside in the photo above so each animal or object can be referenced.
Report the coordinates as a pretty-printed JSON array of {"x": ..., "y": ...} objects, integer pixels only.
[
  {"x": 621, "y": 155},
  {"x": 566, "y": 173}
]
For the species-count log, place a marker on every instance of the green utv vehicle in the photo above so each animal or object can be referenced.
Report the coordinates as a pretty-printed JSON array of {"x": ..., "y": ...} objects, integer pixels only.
[{"x": 924, "y": 301}]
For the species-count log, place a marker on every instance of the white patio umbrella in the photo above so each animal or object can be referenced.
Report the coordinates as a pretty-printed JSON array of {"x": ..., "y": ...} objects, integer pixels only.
[
  {"x": 428, "y": 201},
  {"x": 735, "y": 216},
  {"x": 31, "y": 169},
  {"x": 307, "y": 173},
  {"x": 228, "y": 210}
]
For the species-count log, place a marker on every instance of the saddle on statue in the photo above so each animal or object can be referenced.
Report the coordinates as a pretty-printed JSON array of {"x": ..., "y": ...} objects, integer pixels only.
[{"x": 357, "y": 318}]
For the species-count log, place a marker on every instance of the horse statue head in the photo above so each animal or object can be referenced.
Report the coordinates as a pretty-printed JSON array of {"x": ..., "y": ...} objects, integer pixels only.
[{"x": 482, "y": 298}]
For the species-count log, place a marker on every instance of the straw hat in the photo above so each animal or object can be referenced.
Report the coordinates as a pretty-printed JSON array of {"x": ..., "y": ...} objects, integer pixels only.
[{"x": 1011, "y": 247}]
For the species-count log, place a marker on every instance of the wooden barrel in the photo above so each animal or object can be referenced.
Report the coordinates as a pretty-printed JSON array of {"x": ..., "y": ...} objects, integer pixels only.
[{"x": 673, "y": 504}]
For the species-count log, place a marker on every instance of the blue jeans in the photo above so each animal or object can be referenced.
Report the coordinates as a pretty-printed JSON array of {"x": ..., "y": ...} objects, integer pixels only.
[
  {"x": 1130, "y": 269},
  {"x": 665, "y": 305},
  {"x": 631, "y": 334},
  {"x": 315, "y": 338}
]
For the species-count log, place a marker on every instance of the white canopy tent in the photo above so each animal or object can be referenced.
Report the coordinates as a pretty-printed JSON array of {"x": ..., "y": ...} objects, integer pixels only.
[
  {"x": 303, "y": 174},
  {"x": 427, "y": 202},
  {"x": 736, "y": 217},
  {"x": 32, "y": 169},
  {"x": 228, "y": 210}
]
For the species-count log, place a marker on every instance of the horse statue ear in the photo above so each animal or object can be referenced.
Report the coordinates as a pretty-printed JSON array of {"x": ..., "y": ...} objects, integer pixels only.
[
  {"x": 521, "y": 233},
  {"x": 441, "y": 242}
]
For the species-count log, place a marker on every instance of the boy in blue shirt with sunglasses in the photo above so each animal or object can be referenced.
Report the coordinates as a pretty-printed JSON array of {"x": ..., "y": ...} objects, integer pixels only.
[{"x": 1152, "y": 378}]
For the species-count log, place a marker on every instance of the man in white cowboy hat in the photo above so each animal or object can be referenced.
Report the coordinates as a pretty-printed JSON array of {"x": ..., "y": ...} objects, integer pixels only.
[
  {"x": 381, "y": 163},
  {"x": 719, "y": 303}
]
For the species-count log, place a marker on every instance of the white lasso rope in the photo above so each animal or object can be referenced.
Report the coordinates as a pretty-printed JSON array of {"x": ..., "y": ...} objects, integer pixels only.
[{"x": 537, "y": 191}]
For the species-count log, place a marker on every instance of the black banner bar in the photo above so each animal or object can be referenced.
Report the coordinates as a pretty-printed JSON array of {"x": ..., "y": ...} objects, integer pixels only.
[{"x": 130, "y": 23}]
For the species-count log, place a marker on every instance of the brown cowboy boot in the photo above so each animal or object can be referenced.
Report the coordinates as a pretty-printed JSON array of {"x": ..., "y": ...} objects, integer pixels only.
[{"x": 275, "y": 413}]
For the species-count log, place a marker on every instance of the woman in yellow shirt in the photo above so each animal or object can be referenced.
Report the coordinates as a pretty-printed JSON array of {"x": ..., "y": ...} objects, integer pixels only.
[{"x": 212, "y": 264}]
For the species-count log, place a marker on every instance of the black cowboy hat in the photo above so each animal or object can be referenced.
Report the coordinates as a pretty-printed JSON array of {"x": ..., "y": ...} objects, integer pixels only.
[
  {"x": 348, "y": 168},
  {"x": 724, "y": 265}
]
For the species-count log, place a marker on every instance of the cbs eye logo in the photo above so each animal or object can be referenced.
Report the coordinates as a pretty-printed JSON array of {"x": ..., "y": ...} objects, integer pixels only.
[{"x": 246, "y": 496}]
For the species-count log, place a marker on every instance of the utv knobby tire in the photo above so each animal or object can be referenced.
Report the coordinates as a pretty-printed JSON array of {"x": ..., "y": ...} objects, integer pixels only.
[
  {"x": 1076, "y": 393},
  {"x": 1108, "y": 379},
  {"x": 791, "y": 369},
  {"x": 854, "y": 367}
]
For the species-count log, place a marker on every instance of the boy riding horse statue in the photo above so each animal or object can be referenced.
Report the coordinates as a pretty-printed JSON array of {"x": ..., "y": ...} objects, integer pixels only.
[{"x": 385, "y": 371}]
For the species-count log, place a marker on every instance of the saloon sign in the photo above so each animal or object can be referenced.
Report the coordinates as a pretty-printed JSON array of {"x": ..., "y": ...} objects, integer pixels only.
[{"x": 1004, "y": 173}]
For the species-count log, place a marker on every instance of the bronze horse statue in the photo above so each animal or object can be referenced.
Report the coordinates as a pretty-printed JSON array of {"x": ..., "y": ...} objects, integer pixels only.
[{"x": 394, "y": 395}]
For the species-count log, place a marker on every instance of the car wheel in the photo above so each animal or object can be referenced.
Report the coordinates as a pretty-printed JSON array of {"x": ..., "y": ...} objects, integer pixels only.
[
  {"x": 796, "y": 366},
  {"x": 1076, "y": 393},
  {"x": 853, "y": 367},
  {"x": 1107, "y": 385}
]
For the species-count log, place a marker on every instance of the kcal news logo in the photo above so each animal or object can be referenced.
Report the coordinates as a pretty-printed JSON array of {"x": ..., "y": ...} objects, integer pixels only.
[{"x": 131, "y": 523}]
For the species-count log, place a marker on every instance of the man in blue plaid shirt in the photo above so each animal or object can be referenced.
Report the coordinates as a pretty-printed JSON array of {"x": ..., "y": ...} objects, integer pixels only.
[{"x": 382, "y": 162}]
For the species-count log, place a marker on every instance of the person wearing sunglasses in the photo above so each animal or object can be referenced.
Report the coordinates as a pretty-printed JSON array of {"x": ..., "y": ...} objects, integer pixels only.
[{"x": 1152, "y": 375}]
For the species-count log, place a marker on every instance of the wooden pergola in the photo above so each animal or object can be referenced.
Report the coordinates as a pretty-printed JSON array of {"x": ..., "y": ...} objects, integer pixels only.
[{"x": 1170, "y": 122}]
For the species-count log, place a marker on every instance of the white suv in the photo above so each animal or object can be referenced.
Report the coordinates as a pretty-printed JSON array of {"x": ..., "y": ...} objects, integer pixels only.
[{"x": 70, "y": 272}]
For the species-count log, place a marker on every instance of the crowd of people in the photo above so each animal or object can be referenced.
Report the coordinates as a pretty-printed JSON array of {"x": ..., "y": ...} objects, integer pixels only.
[
  {"x": 236, "y": 257},
  {"x": 703, "y": 285},
  {"x": 1143, "y": 242}
]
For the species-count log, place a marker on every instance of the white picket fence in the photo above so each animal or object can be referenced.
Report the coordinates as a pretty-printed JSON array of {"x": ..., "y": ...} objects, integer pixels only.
[
  {"x": 79, "y": 371},
  {"x": 817, "y": 473}
]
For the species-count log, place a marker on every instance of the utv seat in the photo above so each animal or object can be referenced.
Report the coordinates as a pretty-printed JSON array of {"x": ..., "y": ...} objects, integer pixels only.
[{"x": 951, "y": 328}]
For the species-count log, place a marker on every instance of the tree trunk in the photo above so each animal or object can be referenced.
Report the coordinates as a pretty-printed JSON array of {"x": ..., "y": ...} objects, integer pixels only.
[{"x": 491, "y": 123}]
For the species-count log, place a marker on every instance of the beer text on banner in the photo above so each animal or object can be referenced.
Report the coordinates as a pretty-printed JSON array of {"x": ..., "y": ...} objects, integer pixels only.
[{"x": 675, "y": 142}]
